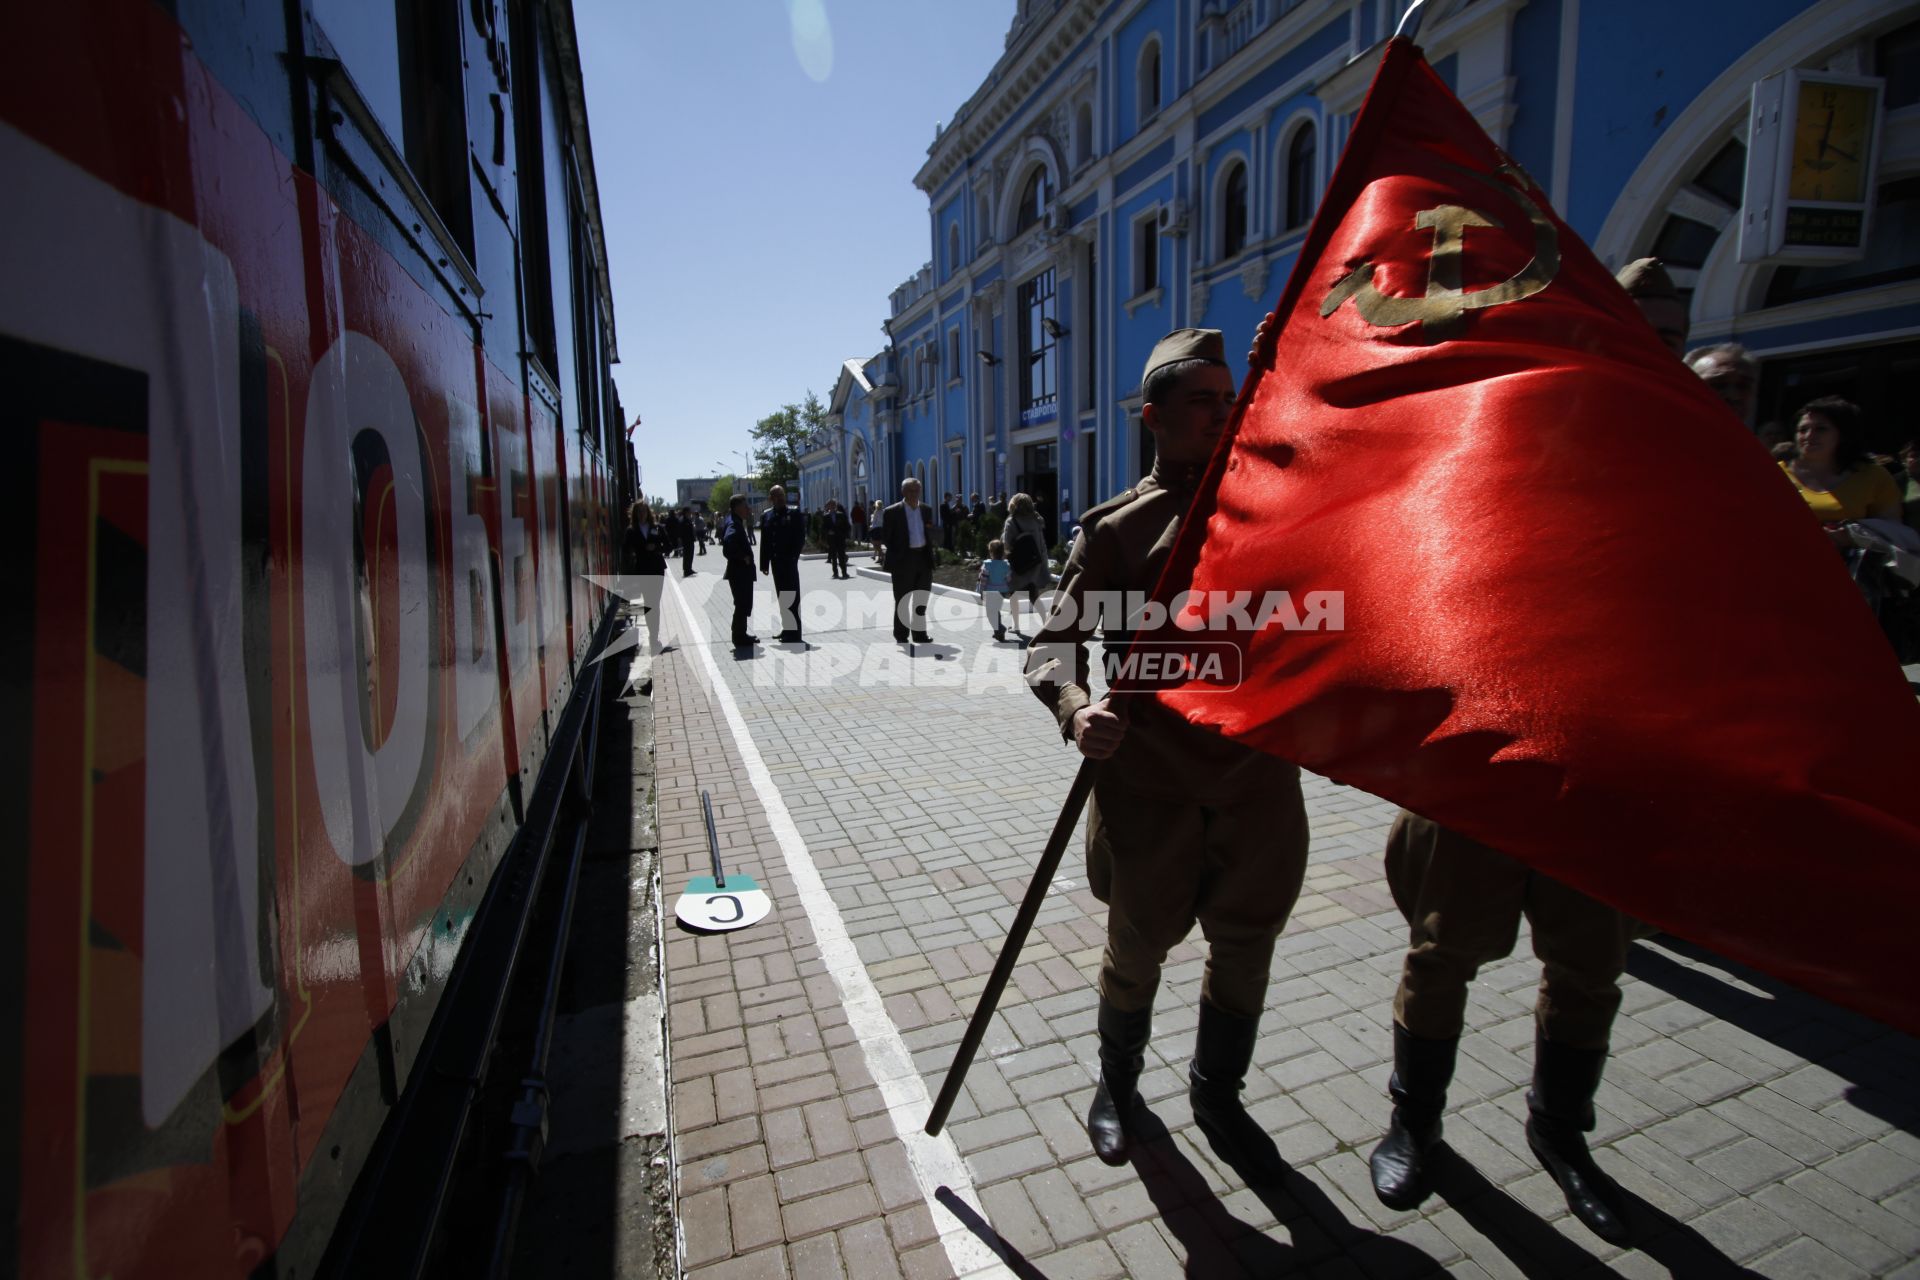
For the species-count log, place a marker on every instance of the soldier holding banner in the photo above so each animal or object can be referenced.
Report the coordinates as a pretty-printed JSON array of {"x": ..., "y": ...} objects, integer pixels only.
[{"x": 1183, "y": 826}]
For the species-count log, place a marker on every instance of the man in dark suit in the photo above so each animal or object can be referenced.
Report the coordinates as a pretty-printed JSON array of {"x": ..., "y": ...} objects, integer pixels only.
[
  {"x": 783, "y": 534},
  {"x": 835, "y": 529},
  {"x": 907, "y": 531},
  {"x": 686, "y": 542},
  {"x": 736, "y": 544}
]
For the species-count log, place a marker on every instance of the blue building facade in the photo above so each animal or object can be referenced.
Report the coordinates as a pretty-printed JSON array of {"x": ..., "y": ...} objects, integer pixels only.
[
  {"x": 851, "y": 459},
  {"x": 1133, "y": 166}
]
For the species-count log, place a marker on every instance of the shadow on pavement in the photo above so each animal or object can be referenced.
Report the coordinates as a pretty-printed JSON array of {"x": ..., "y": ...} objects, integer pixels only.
[
  {"x": 1015, "y": 1260},
  {"x": 1218, "y": 1244},
  {"x": 1882, "y": 1066},
  {"x": 1538, "y": 1249},
  {"x": 602, "y": 1204}
]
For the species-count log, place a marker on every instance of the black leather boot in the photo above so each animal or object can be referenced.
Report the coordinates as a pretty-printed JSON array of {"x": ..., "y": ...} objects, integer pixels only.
[
  {"x": 1422, "y": 1069},
  {"x": 1223, "y": 1050},
  {"x": 1560, "y": 1114},
  {"x": 1123, "y": 1047}
]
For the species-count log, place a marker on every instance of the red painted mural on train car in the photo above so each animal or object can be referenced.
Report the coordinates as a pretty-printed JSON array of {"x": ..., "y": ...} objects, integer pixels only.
[{"x": 294, "y": 557}]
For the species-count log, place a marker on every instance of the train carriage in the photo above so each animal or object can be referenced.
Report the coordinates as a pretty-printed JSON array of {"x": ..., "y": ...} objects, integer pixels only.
[{"x": 306, "y": 331}]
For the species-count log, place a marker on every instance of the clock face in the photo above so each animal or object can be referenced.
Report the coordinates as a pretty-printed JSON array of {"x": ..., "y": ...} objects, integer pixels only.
[{"x": 1832, "y": 131}]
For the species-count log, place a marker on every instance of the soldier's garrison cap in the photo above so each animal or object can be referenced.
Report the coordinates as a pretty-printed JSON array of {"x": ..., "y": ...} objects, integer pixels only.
[
  {"x": 1186, "y": 344},
  {"x": 1647, "y": 278}
]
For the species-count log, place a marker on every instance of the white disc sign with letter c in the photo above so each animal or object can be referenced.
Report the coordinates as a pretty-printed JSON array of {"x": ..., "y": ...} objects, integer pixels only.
[{"x": 712, "y": 904}]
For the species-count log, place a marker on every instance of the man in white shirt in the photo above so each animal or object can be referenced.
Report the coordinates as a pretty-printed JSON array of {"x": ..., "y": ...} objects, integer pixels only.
[{"x": 909, "y": 558}]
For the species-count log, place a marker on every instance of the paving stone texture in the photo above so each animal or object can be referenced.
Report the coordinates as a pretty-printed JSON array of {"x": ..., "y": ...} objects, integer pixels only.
[{"x": 1759, "y": 1131}]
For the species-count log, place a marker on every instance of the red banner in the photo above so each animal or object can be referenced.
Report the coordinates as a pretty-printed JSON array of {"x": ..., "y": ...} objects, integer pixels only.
[{"x": 1580, "y": 617}]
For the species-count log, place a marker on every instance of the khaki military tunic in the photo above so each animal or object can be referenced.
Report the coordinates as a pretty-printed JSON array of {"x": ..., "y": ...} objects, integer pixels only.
[{"x": 1184, "y": 826}]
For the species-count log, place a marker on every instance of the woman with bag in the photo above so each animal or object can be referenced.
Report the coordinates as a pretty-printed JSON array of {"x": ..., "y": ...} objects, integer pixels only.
[
  {"x": 1025, "y": 534},
  {"x": 643, "y": 555}
]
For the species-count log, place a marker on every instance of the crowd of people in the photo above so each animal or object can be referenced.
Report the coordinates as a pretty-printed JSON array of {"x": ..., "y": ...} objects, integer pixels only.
[{"x": 1868, "y": 503}]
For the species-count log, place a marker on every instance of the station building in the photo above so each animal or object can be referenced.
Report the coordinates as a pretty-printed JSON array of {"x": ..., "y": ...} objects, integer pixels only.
[{"x": 1133, "y": 166}]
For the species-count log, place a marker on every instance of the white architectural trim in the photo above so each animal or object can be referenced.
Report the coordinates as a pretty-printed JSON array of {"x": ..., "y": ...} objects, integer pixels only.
[
  {"x": 1005, "y": 91},
  {"x": 1813, "y": 310},
  {"x": 1033, "y": 149}
]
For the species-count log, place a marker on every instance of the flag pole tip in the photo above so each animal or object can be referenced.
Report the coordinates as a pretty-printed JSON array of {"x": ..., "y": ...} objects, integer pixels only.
[{"x": 1409, "y": 27}]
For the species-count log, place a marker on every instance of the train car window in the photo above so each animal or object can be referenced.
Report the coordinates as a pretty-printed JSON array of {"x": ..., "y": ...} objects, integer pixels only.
[
  {"x": 536, "y": 266},
  {"x": 587, "y": 337},
  {"x": 433, "y": 103},
  {"x": 362, "y": 35}
]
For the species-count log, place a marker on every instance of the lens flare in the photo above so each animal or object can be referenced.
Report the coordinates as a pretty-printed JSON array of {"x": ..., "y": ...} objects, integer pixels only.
[{"x": 812, "y": 38}]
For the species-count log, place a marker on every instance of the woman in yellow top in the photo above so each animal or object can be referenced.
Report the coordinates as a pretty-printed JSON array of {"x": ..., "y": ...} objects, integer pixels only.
[{"x": 1832, "y": 470}]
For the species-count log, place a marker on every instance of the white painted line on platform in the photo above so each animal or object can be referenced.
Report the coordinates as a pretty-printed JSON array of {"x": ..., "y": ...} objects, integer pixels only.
[{"x": 936, "y": 1162}]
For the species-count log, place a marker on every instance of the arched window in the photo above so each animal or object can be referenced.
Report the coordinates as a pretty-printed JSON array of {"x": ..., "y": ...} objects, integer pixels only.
[
  {"x": 1083, "y": 134},
  {"x": 1149, "y": 80},
  {"x": 1301, "y": 192},
  {"x": 1233, "y": 212},
  {"x": 1033, "y": 200}
]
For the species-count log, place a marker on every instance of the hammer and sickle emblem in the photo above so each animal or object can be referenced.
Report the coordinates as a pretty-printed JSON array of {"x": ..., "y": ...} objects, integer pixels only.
[{"x": 1442, "y": 310}]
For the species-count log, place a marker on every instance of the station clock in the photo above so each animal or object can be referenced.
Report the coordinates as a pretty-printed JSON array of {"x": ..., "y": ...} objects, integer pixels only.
[
  {"x": 1813, "y": 141},
  {"x": 1832, "y": 137}
]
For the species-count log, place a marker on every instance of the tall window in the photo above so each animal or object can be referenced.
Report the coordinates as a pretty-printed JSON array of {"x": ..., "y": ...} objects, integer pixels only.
[
  {"x": 1033, "y": 200},
  {"x": 1083, "y": 134},
  {"x": 435, "y": 101},
  {"x": 953, "y": 353},
  {"x": 1233, "y": 212},
  {"x": 1039, "y": 352},
  {"x": 1300, "y": 181},
  {"x": 536, "y": 265},
  {"x": 1146, "y": 256},
  {"x": 953, "y": 248},
  {"x": 1090, "y": 331},
  {"x": 1149, "y": 80}
]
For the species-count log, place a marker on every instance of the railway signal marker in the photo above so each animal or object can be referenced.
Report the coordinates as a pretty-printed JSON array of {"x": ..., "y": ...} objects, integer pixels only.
[{"x": 720, "y": 902}]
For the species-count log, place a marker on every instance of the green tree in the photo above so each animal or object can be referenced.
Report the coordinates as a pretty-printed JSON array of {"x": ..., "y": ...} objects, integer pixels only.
[
  {"x": 722, "y": 494},
  {"x": 781, "y": 437}
]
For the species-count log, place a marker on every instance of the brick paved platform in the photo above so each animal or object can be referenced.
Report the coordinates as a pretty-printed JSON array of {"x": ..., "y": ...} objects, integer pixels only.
[{"x": 894, "y": 808}]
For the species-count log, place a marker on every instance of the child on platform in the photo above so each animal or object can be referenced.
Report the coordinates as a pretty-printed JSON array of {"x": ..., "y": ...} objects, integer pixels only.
[{"x": 996, "y": 574}]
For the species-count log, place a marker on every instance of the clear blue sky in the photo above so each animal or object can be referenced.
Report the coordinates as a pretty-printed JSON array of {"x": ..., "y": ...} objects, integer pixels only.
[{"x": 758, "y": 194}]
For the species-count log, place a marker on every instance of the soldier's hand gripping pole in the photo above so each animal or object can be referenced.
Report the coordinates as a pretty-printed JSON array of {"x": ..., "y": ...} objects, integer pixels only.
[{"x": 1016, "y": 939}]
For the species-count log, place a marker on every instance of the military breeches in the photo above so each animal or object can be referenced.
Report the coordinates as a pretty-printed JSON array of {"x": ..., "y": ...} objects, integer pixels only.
[
  {"x": 1464, "y": 902},
  {"x": 1162, "y": 864}
]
